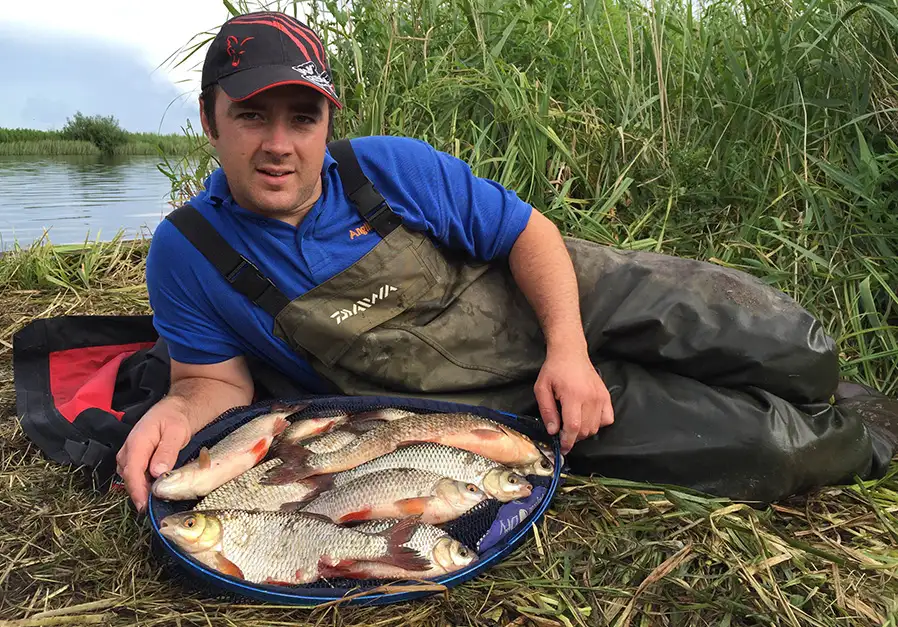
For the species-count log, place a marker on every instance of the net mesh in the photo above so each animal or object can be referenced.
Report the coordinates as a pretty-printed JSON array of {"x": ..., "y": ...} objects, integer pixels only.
[{"x": 475, "y": 529}]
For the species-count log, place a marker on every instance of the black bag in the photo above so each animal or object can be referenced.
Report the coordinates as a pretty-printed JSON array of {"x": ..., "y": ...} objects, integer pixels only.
[{"x": 82, "y": 382}]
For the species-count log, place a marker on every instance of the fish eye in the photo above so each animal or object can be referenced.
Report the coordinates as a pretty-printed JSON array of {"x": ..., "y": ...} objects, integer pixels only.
[
  {"x": 472, "y": 487},
  {"x": 190, "y": 522},
  {"x": 463, "y": 552},
  {"x": 545, "y": 463},
  {"x": 512, "y": 479}
]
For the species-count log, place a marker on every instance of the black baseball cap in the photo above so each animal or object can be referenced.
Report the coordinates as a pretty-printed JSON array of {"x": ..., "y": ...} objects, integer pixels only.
[{"x": 257, "y": 51}]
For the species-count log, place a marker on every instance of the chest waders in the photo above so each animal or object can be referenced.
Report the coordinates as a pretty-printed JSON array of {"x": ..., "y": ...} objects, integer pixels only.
[{"x": 718, "y": 382}]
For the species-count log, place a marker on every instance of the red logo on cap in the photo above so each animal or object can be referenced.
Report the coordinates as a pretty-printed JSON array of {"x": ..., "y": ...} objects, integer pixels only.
[{"x": 235, "y": 49}]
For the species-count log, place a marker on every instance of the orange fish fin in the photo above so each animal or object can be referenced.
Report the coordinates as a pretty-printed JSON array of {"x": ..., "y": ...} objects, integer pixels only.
[
  {"x": 226, "y": 566},
  {"x": 412, "y": 506},
  {"x": 260, "y": 449},
  {"x": 279, "y": 426},
  {"x": 361, "y": 514},
  {"x": 205, "y": 459},
  {"x": 488, "y": 434}
]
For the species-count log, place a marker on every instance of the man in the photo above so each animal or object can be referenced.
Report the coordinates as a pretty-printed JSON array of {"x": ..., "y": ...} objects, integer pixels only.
[{"x": 458, "y": 290}]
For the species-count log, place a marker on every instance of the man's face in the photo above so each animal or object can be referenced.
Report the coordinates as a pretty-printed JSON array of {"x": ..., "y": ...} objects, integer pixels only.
[{"x": 271, "y": 148}]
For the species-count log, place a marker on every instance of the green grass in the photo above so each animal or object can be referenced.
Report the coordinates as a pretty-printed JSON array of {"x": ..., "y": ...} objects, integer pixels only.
[{"x": 760, "y": 136}]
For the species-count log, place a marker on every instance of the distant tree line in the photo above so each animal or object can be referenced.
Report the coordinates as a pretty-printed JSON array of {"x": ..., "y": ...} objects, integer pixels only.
[{"x": 93, "y": 134}]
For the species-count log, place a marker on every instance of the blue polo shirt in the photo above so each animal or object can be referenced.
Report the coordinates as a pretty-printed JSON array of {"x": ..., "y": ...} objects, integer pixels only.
[{"x": 204, "y": 320}]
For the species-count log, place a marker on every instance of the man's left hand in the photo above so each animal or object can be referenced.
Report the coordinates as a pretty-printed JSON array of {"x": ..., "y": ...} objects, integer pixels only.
[{"x": 572, "y": 379}]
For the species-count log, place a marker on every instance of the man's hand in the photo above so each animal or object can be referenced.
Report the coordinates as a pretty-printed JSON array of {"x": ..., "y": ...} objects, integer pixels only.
[
  {"x": 153, "y": 444},
  {"x": 544, "y": 271},
  {"x": 585, "y": 402},
  {"x": 197, "y": 395}
]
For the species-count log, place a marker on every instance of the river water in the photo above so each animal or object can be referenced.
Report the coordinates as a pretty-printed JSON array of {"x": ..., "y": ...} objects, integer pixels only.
[{"x": 78, "y": 197}]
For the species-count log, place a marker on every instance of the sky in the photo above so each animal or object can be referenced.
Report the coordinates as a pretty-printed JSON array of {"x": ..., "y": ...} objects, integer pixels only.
[{"x": 102, "y": 57}]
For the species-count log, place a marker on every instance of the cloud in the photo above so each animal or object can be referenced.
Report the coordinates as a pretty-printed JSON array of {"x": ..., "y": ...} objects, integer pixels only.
[{"x": 47, "y": 77}]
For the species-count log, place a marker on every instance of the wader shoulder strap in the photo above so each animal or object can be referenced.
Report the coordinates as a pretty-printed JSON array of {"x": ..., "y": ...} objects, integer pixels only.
[
  {"x": 234, "y": 267},
  {"x": 368, "y": 201},
  {"x": 240, "y": 271}
]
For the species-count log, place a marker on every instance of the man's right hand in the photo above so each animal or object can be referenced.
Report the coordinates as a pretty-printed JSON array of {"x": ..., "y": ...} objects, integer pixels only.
[
  {"x": 198, "y": 393},
  {"x": 151, "y": 449}
]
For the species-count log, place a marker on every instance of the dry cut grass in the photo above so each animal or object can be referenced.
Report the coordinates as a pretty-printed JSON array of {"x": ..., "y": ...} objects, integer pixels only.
[{"x": 609, "y": 552}]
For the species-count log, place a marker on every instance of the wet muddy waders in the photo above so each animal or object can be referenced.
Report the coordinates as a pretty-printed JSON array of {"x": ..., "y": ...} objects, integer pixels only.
[{"x": 718, "y": 382}]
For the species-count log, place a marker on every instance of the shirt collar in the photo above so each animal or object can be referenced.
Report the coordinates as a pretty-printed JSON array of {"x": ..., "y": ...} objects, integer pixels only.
[
  {"x": 329, "y": 163},
  {"x": 217, "y": 187}
]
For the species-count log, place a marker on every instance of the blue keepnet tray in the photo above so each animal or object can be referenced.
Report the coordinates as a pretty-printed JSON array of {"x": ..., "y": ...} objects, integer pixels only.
[{"x": 499, "y": 528}]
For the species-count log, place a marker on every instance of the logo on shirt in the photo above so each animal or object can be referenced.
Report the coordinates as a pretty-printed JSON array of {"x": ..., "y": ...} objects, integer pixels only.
[
  {"x": 362, "y": 230},
  {"x": 363, "y": 304}
]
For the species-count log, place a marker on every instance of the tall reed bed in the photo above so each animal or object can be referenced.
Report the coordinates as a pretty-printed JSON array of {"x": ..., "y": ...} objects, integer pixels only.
[{"x": 757, "y": 135}]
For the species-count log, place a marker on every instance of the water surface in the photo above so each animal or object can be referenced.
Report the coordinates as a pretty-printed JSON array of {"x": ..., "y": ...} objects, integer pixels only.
[{"x": 76, "y": 197}]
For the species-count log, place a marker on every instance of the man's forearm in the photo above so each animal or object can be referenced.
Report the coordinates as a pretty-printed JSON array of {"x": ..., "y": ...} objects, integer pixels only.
[
  {"x": 542, "y": 268},
  {"x": 202, "y": 400}
]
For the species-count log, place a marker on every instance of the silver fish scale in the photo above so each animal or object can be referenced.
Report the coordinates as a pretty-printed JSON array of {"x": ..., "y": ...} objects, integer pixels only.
[
  {"x": 275, "y": 545},
  {"x": 330, "y": 442},
  {"x": 386, "y": 486},
  {"x": 387, "y": 436},
  {"x": 242, "y": 438},
  {"x": 245, "y": 492},
  {"x": 444, "y": 460},
  {"x": 424, "y": 537}
]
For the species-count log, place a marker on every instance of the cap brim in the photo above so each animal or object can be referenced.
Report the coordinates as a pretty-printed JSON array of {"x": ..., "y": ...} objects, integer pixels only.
[{"x": 247, "y": 83}]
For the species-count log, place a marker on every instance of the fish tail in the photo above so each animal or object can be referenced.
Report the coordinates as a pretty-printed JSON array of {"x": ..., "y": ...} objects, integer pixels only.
[
  {"x": 316, "y": 484},
  {"x": 281, "y": 406},
  {"x": 399, "y": 555},
  {"x": 289, "y": 409},
  {"x": 280, "y": 425},
  {"x": 295, "y": 466}
]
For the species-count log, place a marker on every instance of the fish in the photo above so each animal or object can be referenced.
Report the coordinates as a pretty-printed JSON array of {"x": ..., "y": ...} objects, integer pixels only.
[
  {"x": 496, "y": 480},
  {"x": 542, "y": 467},
  {"x": 326, "y": 443},
  {"x": 386, "y": 414},
  {"x": 396, "y": 493},
  {"x": 245, "y": 492},
  {"x": 305, "y": 428},
  {"x": 236, "y": 453},
  {"x": 445, "y": 554},
  {"x": 466, "y": 431},
  {"x": 341, "y": 432},
  {"x": 285, "y": 548}
]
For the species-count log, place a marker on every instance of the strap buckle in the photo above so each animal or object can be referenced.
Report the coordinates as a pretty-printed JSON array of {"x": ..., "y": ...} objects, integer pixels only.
[
  {"x": 254, "y": 284},
  {"x": 244, "y": 262},
  {"x": 374, "y": 215}
]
